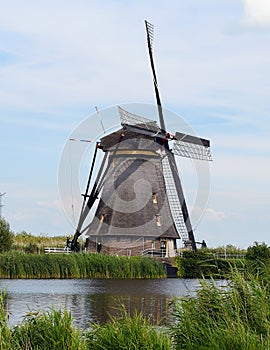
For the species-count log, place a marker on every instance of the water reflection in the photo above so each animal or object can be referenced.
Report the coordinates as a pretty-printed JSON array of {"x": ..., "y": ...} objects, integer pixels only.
[
  {"x": 95, "y": 300},
  {"x": 104, "y": 306}
]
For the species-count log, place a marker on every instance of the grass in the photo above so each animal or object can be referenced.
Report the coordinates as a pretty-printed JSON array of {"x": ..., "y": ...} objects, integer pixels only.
[{"x": 20, "y": 265}]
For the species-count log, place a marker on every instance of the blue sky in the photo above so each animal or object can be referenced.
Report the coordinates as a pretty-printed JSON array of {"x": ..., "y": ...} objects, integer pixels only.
[{"x": 60, "y": 59}]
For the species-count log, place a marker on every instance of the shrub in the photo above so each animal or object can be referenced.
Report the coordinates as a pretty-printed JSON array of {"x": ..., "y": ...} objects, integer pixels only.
[
  {"x": 258, "y": 252},
  {"x": 204, "y": 264}
]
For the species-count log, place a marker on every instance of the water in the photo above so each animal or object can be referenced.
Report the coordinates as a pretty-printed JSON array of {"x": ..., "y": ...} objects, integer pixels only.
[{"x": 94, "y": 299}]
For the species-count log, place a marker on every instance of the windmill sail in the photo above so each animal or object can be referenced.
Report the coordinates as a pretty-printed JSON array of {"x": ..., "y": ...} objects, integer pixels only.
[
  {"x": 190, "y": 146},
  {"x": 175, "y": 204},
  {"x": 150, "y": 39},
  {"x": 171, "y": 160},
  {"x": 130, "y": 119}
]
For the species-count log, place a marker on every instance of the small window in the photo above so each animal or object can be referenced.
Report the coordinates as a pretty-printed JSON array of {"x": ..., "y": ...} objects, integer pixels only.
[
  {"x": 113, "y": 162},
  {"x": 154, "y": 198},
  {"x": 102, "y": 218},
  {"x": 158, "y": 220}
]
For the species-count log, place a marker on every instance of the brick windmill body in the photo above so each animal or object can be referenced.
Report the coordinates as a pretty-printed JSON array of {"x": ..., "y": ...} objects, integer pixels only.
[{"x": 141, "y": 207}]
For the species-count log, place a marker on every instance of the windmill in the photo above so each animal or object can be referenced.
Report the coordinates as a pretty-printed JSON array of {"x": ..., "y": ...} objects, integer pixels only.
[{"x": 141, "y": 205}]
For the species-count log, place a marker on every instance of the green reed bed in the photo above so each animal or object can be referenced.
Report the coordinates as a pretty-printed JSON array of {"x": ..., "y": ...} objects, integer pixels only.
[
  {"x": 236, "y": 317},
  {"x": 20, "y": 265},
  {"x": 53, "y": 330},
  {"x": 133, "y": 333}
]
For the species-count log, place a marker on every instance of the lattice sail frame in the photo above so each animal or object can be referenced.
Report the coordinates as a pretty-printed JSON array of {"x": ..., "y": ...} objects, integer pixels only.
[
  {"x": 174, "y": 202},
  {"x": 150, "y": 31},
  {"x": 192, "y": 150},
  {"x": 128, "y": 118}
]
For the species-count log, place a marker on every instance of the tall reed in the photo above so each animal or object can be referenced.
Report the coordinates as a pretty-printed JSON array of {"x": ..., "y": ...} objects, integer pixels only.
[
  {"x": 20, "y": 265},
  {"x": 5, "y": 332},
  {"x": 235, "y": 317},
  {"x": 132, "y": 333},
  {"x": 53, "y": 330}
]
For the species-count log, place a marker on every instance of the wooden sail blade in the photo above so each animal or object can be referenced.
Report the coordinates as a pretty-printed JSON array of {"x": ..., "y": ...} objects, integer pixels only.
[{"x": 192, "y": 139}]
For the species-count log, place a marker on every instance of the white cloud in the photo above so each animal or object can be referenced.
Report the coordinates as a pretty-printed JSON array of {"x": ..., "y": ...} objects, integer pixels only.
[
  {"x": 257, "y": 12},
  {"x": 214, "y": 215}
]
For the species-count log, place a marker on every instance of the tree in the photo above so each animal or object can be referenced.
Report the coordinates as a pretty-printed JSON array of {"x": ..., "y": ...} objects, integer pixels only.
[{"x": 6, "y": 236}]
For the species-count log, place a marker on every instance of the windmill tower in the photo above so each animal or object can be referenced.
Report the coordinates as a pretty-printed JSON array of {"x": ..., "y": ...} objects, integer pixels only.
[{"x": 141, "y": 207}]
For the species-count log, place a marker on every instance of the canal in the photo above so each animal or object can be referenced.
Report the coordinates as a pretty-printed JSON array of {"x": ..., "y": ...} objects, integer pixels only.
[{"x": 95, "y": 299}]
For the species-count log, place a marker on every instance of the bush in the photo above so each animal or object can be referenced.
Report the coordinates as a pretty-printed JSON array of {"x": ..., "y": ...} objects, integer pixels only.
[
  {"x": 204, "y": 264},
  {"x": 31, "y": 248},
  {"x": 258, "y": 252}
]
